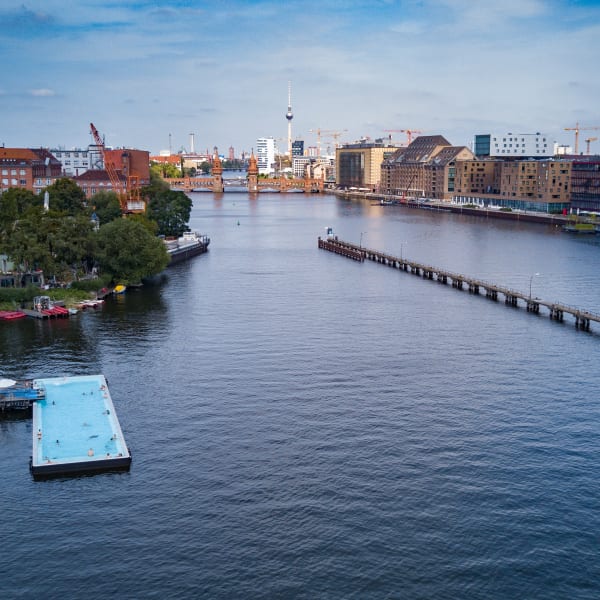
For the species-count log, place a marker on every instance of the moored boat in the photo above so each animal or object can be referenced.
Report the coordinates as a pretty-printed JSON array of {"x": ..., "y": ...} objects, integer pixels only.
[{"x": 189, "y": 244}]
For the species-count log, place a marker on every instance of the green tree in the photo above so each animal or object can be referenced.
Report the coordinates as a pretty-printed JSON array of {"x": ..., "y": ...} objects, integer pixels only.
[
  {"x": 129, "y": 252},
  {"x": 106, "y": 206},
  {"x": 165, "y": 170},
  {"x": 205, "y": 167},
  {"x": 171, "y": 211},
  {"x": 66, "y": 197}
]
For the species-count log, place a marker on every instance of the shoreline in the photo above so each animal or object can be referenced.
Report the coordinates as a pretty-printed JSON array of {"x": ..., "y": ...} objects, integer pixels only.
[{"x": 557, "y": 220}]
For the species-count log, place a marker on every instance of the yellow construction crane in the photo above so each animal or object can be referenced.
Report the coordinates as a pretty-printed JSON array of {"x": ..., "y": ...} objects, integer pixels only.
[
  {"x": 409, "y": 133},
  {"x": 588, "y": 142},
  {"x": 577, "y": 129},
  {"x": 326, "y": 132}
]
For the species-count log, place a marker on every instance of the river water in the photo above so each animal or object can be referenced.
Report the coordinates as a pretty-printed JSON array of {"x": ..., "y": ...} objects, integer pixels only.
[{"x": 305, "y": 426}]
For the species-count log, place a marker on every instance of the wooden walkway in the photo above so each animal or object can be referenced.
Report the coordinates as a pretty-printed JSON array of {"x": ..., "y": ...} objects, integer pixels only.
[{"x": 556, "y": 310}]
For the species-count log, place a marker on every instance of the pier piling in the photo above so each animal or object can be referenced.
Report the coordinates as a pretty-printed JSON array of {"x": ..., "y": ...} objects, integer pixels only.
[{"x": 556, "y": 311}]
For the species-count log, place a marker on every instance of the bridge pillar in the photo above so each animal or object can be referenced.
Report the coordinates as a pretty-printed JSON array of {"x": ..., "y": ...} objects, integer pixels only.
[
  {"x": 217, "y": 173},
  {"x": 252, "y": 174}
]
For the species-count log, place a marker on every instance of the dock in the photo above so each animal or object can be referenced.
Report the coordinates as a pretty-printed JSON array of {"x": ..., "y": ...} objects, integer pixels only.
[
  {"x": 492, "y": 291},
  {"x": 75, "y": 428}
]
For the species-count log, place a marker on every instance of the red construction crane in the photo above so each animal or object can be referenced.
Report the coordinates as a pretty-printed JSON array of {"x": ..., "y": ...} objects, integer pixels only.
[
  {"x": 577, "y": 129},
  {"x": 128, "y": 191}
]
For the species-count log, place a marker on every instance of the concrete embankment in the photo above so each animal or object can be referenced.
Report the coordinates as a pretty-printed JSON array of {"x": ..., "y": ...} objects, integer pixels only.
[{"x": 488, "y": 213}]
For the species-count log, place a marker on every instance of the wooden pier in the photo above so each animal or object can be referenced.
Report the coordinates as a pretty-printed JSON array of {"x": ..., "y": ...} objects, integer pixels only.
[{"x": 556, "y": 310}]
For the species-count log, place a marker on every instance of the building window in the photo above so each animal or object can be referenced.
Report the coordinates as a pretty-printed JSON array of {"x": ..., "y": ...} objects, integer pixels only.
[
  {"x": 23, "y": 181},
  {"x": 22, "y": 172},
  {"x": 13, "y": 171}
]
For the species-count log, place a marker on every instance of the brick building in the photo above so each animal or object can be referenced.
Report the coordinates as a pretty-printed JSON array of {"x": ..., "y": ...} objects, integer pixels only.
[
  {"x": 28, "y": 168},
  {"x": 536, "y": 185},
  {"x": 424, "y": 169}
]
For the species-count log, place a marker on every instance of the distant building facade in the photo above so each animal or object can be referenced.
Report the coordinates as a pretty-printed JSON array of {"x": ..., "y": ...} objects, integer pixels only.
[
  {"x": 297, "y": 148},
  {"x": 77, "y": 161},
  {"x": 532, "y": 184},
  {"x": 359, "y": 165},
  {"x": 32, "y": 169},
  {"x": 424, "y": 169},
  {"x": 585, "y": 183},
  {"x": 517, "y": 145},
  {"x": 265, "y": 154}
]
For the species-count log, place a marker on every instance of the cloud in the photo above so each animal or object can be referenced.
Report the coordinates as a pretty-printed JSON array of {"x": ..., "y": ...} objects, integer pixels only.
[
  {"x": 42, "y": 92},
  {"x": 22, "y": 21}
]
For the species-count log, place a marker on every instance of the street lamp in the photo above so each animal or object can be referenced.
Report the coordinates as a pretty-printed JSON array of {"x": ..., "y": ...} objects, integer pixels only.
[
  {"x": 531, "y": 281},
  {"x": 361, "y": 234},
  {"x": 401, "y": 246}
]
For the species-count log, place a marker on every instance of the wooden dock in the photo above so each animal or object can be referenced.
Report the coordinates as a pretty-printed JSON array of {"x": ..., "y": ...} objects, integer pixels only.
[{"x": 556, "y": 310}]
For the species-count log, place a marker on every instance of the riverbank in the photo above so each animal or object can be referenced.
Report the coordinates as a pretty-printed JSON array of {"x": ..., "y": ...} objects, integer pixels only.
[{"x": 486, "y": 212}]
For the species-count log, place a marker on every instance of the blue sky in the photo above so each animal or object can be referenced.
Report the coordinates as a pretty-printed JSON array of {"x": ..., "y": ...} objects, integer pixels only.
[{"x": 142, "y": 70}]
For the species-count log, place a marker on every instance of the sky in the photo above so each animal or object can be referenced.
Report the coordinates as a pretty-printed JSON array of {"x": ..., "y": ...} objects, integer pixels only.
[{"x": 148, "y": 74}]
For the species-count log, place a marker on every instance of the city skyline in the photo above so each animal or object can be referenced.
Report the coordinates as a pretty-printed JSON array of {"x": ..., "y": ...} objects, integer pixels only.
[{"x": 148, "y": 75}]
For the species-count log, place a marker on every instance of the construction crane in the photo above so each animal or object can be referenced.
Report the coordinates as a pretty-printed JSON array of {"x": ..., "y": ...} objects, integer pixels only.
[
  {"x": 326, "y": 132},
  {"x": 409, "y": 133},
  {"x": 127, "y": 191},
  {"x": 577, "y": 129},
  {"x": 588, "y": 142}
]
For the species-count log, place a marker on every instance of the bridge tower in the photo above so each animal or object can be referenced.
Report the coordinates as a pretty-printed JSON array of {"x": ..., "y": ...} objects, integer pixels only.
[
  {"x": 217, "y": 174},
  {"x": 252, "y": 174}
]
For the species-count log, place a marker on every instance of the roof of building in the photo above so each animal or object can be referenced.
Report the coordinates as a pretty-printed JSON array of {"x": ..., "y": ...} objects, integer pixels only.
[
  {"x": 447, "y": 155},
  {"x": 422, "y": 148},
  {"x": 25, "y": 155},
  {"x": 96, "y": 175}
]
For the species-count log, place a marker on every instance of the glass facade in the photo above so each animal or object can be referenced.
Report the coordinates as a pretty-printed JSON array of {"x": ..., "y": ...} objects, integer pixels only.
[
  {"x": 351, "y": 169},
  {"x": 585, "y": 185},
  {"x": 482, "y": 145}
]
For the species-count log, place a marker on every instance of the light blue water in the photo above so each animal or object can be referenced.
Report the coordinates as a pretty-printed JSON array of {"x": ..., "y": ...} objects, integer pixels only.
[
  {"x": 305, "y": 426},
  {"x": 76, "y": 421}
]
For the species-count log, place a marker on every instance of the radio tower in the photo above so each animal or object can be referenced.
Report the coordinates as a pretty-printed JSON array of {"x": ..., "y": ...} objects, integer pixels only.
[{"x": 289, "y": 116}]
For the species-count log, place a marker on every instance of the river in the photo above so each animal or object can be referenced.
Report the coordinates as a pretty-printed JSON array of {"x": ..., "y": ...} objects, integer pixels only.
[{"x": 305, "y": 426}]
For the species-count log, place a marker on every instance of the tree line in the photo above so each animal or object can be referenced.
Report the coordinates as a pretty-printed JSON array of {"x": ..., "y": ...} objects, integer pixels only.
[{"x": 79, "y": 237}]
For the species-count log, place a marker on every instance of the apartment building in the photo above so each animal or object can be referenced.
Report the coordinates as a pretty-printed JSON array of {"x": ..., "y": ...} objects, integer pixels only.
[
  {"x": 516, "y": 145},
  {"x": 28, "y": 168},
  {"x": 265, "y": 155},
  {"x": 533, "y": 185},
  {"x": 424, "y": 169}
]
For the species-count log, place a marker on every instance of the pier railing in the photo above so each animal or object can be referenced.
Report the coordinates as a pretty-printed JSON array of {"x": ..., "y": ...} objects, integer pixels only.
[{"x": 556, "y": 310}]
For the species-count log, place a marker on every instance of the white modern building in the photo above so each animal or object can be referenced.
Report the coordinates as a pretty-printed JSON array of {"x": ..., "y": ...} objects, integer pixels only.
[
  {"x": 265, "y": 155},
  {"x": 77, "y": 161},
  {"x": 514, "y": 145}
]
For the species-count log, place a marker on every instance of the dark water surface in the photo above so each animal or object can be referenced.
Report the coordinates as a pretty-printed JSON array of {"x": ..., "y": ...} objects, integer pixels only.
[{"x": 304, "y": 426}]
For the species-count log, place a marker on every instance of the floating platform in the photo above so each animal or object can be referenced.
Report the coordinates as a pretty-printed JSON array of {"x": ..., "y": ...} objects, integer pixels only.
[{"x": 75, "y": 428}]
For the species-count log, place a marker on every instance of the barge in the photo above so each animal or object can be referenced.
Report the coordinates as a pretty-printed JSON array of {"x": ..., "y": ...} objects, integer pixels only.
[{"x": 188, "y": 245}]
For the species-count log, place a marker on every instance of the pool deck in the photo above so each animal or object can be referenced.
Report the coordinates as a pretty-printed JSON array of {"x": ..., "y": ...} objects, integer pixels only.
[{"x": 75, "y": 428}]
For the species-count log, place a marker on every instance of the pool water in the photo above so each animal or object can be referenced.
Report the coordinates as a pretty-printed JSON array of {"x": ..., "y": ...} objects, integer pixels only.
[{"x": 76, "y": 422}]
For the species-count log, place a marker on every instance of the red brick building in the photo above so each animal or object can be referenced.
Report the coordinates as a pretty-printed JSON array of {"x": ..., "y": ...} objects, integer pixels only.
[{"x": 28, "y": 168}]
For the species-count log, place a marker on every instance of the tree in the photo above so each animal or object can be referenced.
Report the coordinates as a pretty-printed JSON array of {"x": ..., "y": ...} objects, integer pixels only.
[
  {"x": 129, "y": 252},
  {"x": 165, "y": 169},
  {"x": 66, "y": 197},
  {"x": 171, "y": 211},
  {"x": 106, "y": 206}
]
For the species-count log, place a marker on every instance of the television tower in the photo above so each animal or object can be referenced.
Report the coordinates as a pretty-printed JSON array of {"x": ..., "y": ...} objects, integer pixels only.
[{"x": 289, "y": 116}]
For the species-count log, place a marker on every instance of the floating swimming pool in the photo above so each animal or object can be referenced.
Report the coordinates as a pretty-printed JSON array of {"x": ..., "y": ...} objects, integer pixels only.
[{"x": 75, "y": 428}]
